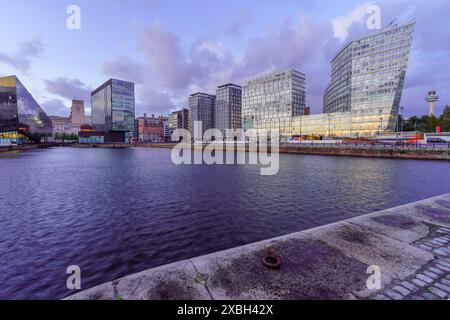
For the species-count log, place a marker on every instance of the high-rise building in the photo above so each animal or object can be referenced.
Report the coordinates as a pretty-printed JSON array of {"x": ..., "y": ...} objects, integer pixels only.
[
  {"x": 77, "y": 115},
  {"x": 113, "y": 110},
  {"x": 367, "y": 79},
  {"x": 271, "y": 101},
  {"x": 202, "y": 108},
  {"x": 21, "y": 118},
  {"x": 228, "y": 107}
]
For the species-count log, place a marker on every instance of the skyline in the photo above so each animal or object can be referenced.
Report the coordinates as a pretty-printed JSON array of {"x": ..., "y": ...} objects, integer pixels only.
[{"x": 70, "y": 64}]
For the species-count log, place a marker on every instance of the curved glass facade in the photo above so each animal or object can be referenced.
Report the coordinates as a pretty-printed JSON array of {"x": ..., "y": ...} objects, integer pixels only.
[
  {"x": 20, "y": 113},
  {"x": 367, "y": 79}
]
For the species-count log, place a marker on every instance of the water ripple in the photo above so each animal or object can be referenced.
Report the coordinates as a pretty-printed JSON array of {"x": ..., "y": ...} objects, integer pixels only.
[{"x": 117, "y": 212}]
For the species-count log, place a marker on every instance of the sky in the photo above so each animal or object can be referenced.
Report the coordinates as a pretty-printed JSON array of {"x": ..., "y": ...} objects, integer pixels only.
[{"x": 172, "y": 48}]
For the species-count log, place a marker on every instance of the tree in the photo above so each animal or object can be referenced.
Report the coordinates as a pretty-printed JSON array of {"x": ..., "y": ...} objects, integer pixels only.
[
  {"x": 428, "y": 124},
  {"x": 444, "y": 119},
  {"x": 415, "y": 124},
  {"x": 431, "y": 124}
]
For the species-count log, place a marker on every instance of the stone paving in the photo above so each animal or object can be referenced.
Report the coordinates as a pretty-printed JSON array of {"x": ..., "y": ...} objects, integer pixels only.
[
  {"x": 410, "y": 244},
  {"x": 431, "y": 282}
]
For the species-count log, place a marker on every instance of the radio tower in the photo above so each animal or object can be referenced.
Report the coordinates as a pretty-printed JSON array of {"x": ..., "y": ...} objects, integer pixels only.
[{"x": 431, "y": 99}]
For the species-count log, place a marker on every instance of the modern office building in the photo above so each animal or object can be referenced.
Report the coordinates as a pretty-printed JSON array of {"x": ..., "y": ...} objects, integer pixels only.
[
  {"x": 328, "y": 125},
  {"x": 362, "y": 100},
  {"x": 88, "y": 120},
  {"x": 77, "y": 113},
  {"x": 179, "y": 120},
  {"x": 202, "y": 108},
  {"x": 272, "y": 101},
  {"x": 21, "y": 118},
  {"x": 367, "y": 79},
  {"x": 228, "y": 107},
  {"x": 113, "y": 110}
]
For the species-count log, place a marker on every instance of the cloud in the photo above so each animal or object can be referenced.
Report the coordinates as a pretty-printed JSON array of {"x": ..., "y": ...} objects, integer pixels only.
[
  {"x": 164, "y": 54},
  {"x": 342, "y": 24},
  {"x": 69, "y": 89},
  {"x": 126, "y": 69},
  {"x": 148, "y": 99},
  {"x": 55, "y": 107},
  {"x": 26, "y": 52},
  {"x": 170, "y": 72},
  {"x": 170, "y": 69},
  {"x": 153, "y": 102},
  {"x": 303, "y": 44}
]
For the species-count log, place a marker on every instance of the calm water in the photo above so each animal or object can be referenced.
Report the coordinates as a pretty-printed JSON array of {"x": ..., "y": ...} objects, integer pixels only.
[{"x": 117, "y": 212}]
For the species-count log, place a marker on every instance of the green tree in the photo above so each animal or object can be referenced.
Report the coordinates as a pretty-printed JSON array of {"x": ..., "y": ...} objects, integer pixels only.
[
  {"x": 444, "y": 119},
  {"x": 415, "y": 124},
  {"x": 431, "y": 124}
]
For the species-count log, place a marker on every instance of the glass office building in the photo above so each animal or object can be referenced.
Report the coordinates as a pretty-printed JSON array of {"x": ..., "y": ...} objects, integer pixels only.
[
  {"x": 272, "y": 101},
  {"x": 367, "y": 79},
  {"x": 202, "y": 107},
  {"x": 21, "y": 118},
  {"x": 229, "y": 107},
  {"x": 329, "y": 125},
  {"x": 113, "y": 108}
]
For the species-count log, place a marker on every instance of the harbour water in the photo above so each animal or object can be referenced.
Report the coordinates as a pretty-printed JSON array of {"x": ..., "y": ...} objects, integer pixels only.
[{"x": 114, "y": 212}]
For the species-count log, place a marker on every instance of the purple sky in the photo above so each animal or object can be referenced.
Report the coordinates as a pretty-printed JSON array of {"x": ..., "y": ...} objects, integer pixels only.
[{"x": 173, "y": 48}]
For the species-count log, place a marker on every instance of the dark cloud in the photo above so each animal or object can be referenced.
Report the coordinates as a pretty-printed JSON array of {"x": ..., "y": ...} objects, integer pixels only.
[
  {"x": 23, "y": 57},
  {"x": 304, "y": 45},
  {"x": 69, "y": 89},
  {"x": 172, "y": 70}
]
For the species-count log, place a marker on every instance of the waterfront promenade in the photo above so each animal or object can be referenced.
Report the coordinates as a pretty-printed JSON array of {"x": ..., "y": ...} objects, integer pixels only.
[
  {"x": 410, "y": 244},
  {"x": 417, "y": 152}
]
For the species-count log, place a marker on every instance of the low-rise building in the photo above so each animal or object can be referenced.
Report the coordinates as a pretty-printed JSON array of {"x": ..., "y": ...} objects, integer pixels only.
[{"x": 151, "y": 129}]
